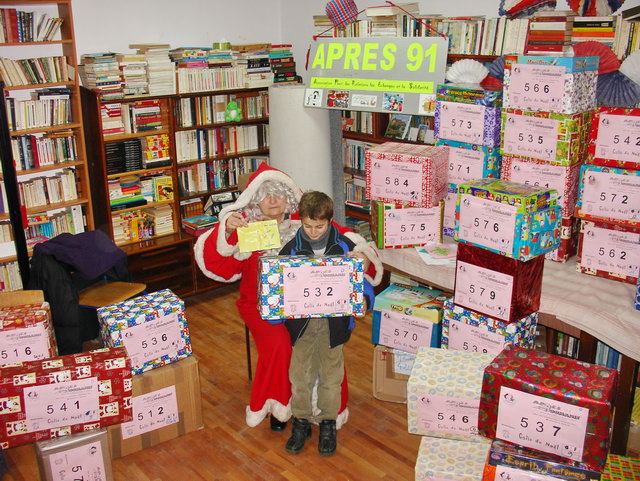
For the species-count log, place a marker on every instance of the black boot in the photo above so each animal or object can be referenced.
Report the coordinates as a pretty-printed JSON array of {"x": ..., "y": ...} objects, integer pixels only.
[
  {"x": 300, "y": 432},
  {"x": 328, "y": 437},
  {"x": 277, "y": 425}
]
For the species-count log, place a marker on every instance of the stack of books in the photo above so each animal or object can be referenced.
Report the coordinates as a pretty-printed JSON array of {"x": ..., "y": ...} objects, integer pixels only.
[
  {"x": 100, "y": 72},
  {"x": 282, "y": 64},
  {"x": 124, "y": 192},
  {"x": 550, "y": 32},
  {"x": 198, "y": 224},
  {"x": 19, "y": 26},
  {"x": 29, "y": 71},
  {"x": 190, "y": 57},
  {"x": 155, "y": 151},
  {"x": 255, "y": 58},
  {"x": 142, "y": 116},
  {"x": 162, "y": 218},
  {"x": 124, "y": 156},
  {"x": 160, "y": 69},
  {"x": 134, "y": 73},
  {"x": 598, "y": 29}
]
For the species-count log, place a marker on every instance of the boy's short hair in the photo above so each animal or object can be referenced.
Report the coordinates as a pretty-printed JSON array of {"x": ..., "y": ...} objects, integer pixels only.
[{"x": 316, "y": 205}]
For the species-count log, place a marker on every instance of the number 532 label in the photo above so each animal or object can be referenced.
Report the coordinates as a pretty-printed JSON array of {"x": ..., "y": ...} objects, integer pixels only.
[
  {"x": 317, "y": 290},
  {"x": 540, "y": 423}
]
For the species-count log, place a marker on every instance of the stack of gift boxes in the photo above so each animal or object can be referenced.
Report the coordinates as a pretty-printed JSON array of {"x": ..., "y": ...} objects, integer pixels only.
[
  {"x": 83, "y": 409},
  {"x": 609, "y": 198}
]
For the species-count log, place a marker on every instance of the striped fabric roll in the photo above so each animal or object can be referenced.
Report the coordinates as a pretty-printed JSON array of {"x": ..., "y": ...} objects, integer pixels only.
[{"x": 341, "y": 12}]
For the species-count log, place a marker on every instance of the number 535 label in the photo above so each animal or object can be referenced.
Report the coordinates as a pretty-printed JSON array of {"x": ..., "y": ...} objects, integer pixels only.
[{"x": 544, "y": 424}]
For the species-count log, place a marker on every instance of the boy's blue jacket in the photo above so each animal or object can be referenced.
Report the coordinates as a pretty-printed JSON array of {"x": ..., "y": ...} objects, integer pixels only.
[{"x": 339, "y": 327}]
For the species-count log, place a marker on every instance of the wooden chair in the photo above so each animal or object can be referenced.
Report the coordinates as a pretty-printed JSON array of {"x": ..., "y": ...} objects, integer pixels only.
[{"x": 105, "y": 293}]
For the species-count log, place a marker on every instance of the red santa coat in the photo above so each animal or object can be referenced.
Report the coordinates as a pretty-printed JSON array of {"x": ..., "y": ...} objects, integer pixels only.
[{"x": 220, "y": 259}]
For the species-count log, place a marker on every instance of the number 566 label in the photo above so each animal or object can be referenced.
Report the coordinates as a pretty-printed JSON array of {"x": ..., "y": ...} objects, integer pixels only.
[{"x": 544, "y": 424}]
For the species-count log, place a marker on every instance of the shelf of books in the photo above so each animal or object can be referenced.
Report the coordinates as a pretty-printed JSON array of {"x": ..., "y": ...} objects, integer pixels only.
[{"x": 44, "y": 116}]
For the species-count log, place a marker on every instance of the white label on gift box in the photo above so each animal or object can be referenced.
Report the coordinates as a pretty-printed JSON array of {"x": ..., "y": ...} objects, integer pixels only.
[
  {"x": 61, "y": 404},
  {"x": 25, "y": 344},
  {"x": 403, "y": 362},
  {"x": 317, "y": 290},
  {"x": 461, "y": 122},
  {"x": 504, "y": 473},
  {"x": 465, "y": 337},
  {"x": 411, "y": 226},
  {"x": 531, "y": 136},
  {"x": 152, "y": 340},
  {"x": 401, "y": 181},
  {"x": 541, "y": 423},
  {"x": 537, "y": 87},
  {"x": 449, "y": 220},
  {"x": 487, "y": 223},
  {"x": 484, "y": 290},
  {"x": 152, "y": 411},
  {"x": 84, "y": 463},
  {"x": 611, "y": 251},
  {"x": 616, "y": 196},
  {"x": 404, "y": 332},
  {"x": 448, "y": 415},
  {"x": 619, "y": 138},
  {"x": 548, "y": 176},
  {"x": 465, "y": 165}
]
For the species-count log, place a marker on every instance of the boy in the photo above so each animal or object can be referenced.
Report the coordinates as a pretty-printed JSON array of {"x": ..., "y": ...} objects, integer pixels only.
[{"x": 317, "y": 342}]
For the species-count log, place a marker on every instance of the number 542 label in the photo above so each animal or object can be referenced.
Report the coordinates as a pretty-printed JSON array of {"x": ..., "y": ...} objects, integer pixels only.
[{"x": 540, "y": 423}]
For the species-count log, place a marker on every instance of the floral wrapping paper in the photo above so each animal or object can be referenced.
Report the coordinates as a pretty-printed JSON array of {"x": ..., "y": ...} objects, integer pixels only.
[
  {"x": 572, "y": 134},
  {"x": 632, "y": 218},
  {"x": 569, "y": 237},
  {"x": 490, "y": 129},
  {"x": 632, "y": 253},
  {"x": 491, "y": 156},
  {"x": 434, "y": 162},
  {"x": 117, "y": 318},
  {"x": 595, "y": 157},
  {"x": 558, "y": 378},
  {"x": 271, "y": 290},
  {"x": 521, "y": 333},
  {"x": 450, "y": 459},
  {"x": 379, "y": 227},
  {"x": 25, "y": 316},
  {"x": 451, "y": 374},
  {"x": 579, "y": 89},
  {"x": 110, "y": 366}
]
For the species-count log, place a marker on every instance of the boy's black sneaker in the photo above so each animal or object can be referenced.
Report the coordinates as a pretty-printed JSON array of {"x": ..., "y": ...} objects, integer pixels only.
[
  {"x": 300, "y": 432},
  {"x": 328, "y": 437}
]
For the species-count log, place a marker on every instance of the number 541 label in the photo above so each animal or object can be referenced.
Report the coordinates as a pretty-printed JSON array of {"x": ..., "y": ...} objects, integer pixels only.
[{"x": 540, "y": 423}]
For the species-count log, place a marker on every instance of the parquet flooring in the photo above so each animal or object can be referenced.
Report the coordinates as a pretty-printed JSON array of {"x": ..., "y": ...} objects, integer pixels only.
[{"x": 372, "y": 445}]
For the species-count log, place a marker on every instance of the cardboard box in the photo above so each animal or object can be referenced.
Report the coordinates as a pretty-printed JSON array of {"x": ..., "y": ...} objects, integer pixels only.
[
  {"x": 153, "y": 328},
  {"x": 471, "y": 161},
  {"x": 569, "y": 237},
  {"x": 499, "y": 216},
  {"x": 621, "y": 468},
  {"x": 495, "y": 285},
  {"x": 549, "y": 403},
  {"x": 407, "y": 317},
  {"x": 409, "y": 174},
  {"x": 466, "y": 122},
  {"x": 26, "y": 328},
  {"x": 467, "y": 330},
  {"x": 449, "y": 459},
  {"x": 556, "y": 138},
  {"x": 443, "y": 393},
  {"x": 565, "y": 85},
  {"x": 610, "y": 251},
  {"x": 614, "y": 138},
  {"x": 83, "y": 456},
  {"x": 396, "y": 226},
  {"x": 609, "y": 194},
  {"x": 184, "y": 376},
  {"x": 64, "y": 395},
  {"x": 296, "y": 287},
  {"x": 389, "y": 374}
]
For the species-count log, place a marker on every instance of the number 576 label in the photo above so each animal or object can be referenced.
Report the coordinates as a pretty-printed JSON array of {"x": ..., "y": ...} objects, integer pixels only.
[{"x": 540, "y": 423}]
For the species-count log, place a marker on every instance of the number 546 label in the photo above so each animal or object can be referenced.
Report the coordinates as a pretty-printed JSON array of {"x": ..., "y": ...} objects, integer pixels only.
[{"x": 451, "y": 415}]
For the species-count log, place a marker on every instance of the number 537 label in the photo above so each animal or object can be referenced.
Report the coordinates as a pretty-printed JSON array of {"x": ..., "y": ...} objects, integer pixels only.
[{"x": 540, "y": 423}]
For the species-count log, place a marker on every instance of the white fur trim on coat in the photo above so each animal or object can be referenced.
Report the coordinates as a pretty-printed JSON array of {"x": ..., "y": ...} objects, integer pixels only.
[
  {"x": 370, "y": 251},
  {"x": 281, "y": 412},
  {"x": 198, "y": 250}
]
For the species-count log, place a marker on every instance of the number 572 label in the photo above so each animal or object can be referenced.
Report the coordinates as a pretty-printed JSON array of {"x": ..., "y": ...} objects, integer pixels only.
[{"x": 540, "y": 423}]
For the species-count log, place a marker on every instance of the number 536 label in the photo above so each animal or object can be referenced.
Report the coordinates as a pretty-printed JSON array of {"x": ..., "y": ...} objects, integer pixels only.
[
  {"x": 544, "y": 424},
  {"x": 153, "y": 339}
]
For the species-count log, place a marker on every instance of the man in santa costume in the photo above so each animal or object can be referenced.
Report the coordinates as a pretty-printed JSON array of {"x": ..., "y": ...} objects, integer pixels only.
[{"x": 270, "y": 194}]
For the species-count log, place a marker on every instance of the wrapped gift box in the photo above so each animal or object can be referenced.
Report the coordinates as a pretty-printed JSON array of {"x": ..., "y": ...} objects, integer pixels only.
[
  {"x": 153, "y": 328},
  {"x": 564, "y": 85},
  {"x": 450, "y": 460},
  {"x": 409, "y": 174},
  {"x": 561, "y": 178},
  {"x": 614, "y": 138},
  {"x": 500, "y": 216},
  {"x": 495, "y": 285},
  {"x": 568, "y": 402},
  {"x": 621, "y": 468},
  {"x": 407, "y": 317},
  {"x": 391, "y": 369},
  {"x": 26, "y": 332},
  {"x": 471, "y": 161},
  {"x": 467, "y": 122},
  {"x": 505, "y": 458},
  {"x": 282, "y": 290},
  {"x": 396, "y": 225},
  {"x": 86, "y": 454},
  {"x": 443, "y": 393},
  {"x": 469, "y": 331},
  {"x": 555, "y": 138},
  {"x": 449, "y": 214},
  {"x": 609, "y": 194},
  {"x": 469, "y": 94},
  {"x": 569, "y": 236},
  {"x": 610, "y": 251},
  {"x": 63, "y": 395},
  {"x": 637, "y": 300}
]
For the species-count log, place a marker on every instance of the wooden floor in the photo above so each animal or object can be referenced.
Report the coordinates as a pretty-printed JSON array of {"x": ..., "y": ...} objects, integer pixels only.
[{"x": 373, "y": 445}]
